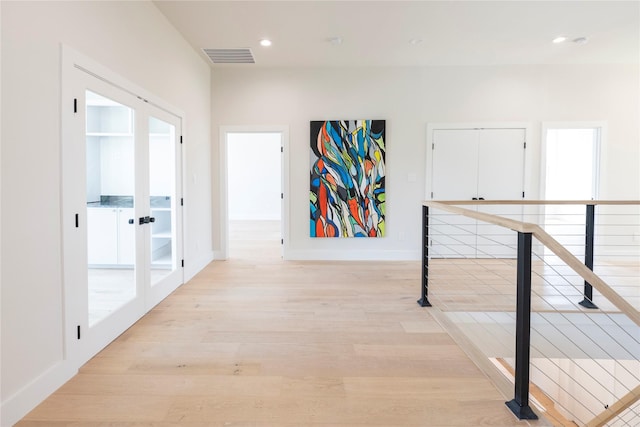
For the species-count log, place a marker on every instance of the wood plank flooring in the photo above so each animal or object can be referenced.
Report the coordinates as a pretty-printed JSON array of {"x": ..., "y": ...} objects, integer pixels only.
[{"x": 257, "y": 341}]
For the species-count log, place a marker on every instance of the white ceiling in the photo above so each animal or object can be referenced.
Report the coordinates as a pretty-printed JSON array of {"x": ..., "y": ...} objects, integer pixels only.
[{"x": 378, "y": 33}]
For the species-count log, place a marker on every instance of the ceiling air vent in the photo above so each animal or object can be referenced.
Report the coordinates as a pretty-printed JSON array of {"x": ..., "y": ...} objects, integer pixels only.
[{"x": 230, "y": 56}]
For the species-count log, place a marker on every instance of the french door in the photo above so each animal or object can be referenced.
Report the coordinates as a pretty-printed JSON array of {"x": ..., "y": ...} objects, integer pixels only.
[{"x": 122, "y": 196}]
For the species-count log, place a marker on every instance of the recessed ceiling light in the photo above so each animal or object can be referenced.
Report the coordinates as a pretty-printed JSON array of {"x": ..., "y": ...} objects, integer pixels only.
[
  {"x": 335, "y": 40},
  {"x": 581, "y": 40},
  {"x": 265, "y": 42},
  {"x": 415, "y": 41},
  {"x": 559, "y": 39}
]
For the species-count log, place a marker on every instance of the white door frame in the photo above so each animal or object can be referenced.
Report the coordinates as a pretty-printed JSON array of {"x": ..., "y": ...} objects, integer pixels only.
[
  {"x": 597, "y": 160},
  {"x": 223, "y": 224}
]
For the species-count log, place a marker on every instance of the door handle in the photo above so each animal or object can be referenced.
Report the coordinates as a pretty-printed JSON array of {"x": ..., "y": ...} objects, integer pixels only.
[
  {"x": 132, "y": 221},
  {"x": 144, "y": 220},
  {"x": 481, "y": 198},
  {"x": 474, "y": 198}
]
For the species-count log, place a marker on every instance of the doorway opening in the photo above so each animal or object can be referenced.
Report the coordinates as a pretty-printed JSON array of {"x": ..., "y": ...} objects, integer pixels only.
[
  {"x": 255, "y": 194},
  {"x": 571, "y": 158}
]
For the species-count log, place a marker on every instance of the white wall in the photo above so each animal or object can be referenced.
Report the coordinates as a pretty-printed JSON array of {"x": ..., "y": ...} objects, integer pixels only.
[
  {"x": 134, "y": 40},
  {"x": 253, "y": 176},
  {"x": 1, "y": 287},
  {"x": 582, "y": 387},
  {"x": 409, "y": 98}
]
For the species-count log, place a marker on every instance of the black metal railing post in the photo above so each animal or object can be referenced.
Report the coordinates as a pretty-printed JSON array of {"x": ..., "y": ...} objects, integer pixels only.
[
  {"x": 424, "y": 292},
  {"x": 590, "y": 231},
  {"x": 520, "y": 403}
]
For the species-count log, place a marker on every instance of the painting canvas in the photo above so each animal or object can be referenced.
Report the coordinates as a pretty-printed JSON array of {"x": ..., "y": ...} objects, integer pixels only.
[{"x": 347, "y": 197}]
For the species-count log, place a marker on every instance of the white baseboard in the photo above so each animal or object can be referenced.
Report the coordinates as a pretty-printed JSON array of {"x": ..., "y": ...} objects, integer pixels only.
[
  {"x": 351, "y": 255},
  {"x": 193, "y": 267},
  {"x": 15, "y": 407}
]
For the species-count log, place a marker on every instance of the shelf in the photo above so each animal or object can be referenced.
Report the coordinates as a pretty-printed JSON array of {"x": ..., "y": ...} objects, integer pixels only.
[
  {"x": 162, "y": 235},
  {"x": 162, "y": 265},
  {"x": 164, "y": 261}
]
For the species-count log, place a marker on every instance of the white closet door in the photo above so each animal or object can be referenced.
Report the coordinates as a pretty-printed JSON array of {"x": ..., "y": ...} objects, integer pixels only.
[
  {"x": 455, "y": 177},
  {"x": 476, "y": 163},
  {"x": 501, "y": 163},
  {"x": 500, "y": 177},
  {"x": 455, "y": 164}
]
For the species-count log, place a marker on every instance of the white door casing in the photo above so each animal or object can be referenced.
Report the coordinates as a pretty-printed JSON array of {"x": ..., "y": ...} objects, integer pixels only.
[{"x": 223, "y": 224}]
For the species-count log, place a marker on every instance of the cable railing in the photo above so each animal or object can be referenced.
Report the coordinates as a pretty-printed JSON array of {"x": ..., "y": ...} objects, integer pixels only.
[{"x": 549, "y": 292}]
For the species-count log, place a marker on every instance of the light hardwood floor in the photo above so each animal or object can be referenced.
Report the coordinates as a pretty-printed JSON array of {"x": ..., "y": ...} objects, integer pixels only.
[{"x": 257, "y": 341}]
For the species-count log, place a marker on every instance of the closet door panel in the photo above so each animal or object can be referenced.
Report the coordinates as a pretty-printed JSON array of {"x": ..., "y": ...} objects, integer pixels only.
[
  {"x": 500, "y": 164},
  {"x": 455, "y": 164},
  {"x": 455, "y": 170},
  {"x": 500, "y": 177}
]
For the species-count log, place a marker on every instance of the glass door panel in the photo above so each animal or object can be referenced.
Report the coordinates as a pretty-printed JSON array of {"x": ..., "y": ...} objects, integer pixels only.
[
  {"x": 110, "y": 188},
  {"x": 162, "y": 198}
]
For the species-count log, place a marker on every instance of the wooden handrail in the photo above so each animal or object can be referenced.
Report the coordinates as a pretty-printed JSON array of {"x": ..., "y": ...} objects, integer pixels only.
[
  {"x": 588, "y": 275},
  {"x": 537, "y": 202},
  {"x": 548, "y": 241},
  {"x": 523, "y": 227},
  {"x": 616, "y": 409}
]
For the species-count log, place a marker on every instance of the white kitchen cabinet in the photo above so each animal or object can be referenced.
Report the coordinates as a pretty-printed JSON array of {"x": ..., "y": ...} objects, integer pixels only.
[
  {"x": 110, "y": 237},
  {"x": 102, "y": 236},
  {"x": 476, "y": 164}
]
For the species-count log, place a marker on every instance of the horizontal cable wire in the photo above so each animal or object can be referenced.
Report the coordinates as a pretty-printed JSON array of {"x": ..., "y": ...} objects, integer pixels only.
[{"x": 541, "y": 269}]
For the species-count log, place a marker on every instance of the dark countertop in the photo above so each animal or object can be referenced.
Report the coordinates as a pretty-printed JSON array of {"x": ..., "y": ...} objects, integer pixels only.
[
  {"x": 127, "y": 202},
  {"x": 109, "y": 205}
]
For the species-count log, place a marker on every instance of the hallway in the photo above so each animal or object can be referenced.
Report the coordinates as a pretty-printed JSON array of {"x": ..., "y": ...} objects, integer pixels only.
[{"x": 257, "y": 341}]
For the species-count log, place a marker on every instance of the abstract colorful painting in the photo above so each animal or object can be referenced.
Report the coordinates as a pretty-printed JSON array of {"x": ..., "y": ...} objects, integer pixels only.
[{"x": 347, "y": 197}]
